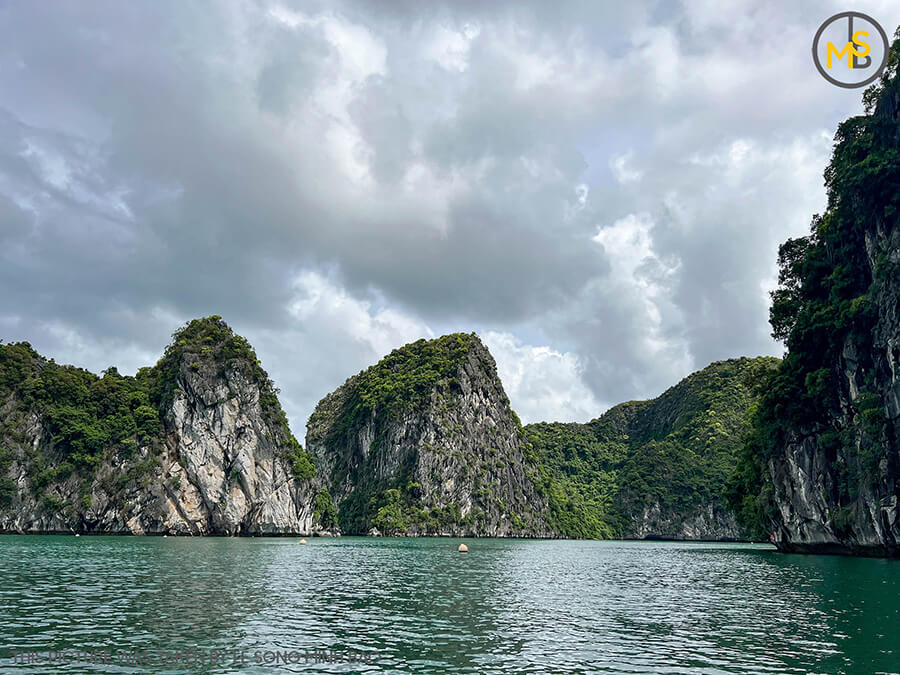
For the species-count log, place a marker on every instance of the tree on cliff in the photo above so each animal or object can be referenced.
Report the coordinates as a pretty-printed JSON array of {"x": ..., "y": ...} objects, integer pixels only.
[{"x": 825, "y": 302}]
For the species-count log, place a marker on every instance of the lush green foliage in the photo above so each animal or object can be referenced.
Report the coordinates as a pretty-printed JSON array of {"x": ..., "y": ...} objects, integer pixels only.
[
  {"x": 399, "y": 509},
  {"x": 402, "y": 380},
  {"x": 302, "y": 463},
  {"x": 392, "y": 511},
  {"x": 86, "y": 414},
  {"x": 208, "y": 341},
  {"x": 579, "y": 473},
  {"x": 407, "y": 376},
  {"x": 324, "y": 510},
  {"x": 676, "y": 451},
  {"x": 7, "y": 485},
  {"x": 396, "y": 512},
  {"x": 826, "y": 300}
]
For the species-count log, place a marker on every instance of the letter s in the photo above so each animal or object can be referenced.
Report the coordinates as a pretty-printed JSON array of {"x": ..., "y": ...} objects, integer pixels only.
[{"x": 859, "y": 42}]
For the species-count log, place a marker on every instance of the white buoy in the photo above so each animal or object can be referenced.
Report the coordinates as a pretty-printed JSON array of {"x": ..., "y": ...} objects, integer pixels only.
[
  {"x": 165, "y": 535},
  {"x": 303, "y": 541},
  {"x": 463, "y": 548}
]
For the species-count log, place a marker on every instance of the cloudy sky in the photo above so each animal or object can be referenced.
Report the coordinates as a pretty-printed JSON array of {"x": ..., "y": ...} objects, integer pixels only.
[{"x": 598, "y": 189}]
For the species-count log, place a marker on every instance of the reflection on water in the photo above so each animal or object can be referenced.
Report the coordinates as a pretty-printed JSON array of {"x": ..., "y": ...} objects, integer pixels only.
[{"x": 416, "y": 605}]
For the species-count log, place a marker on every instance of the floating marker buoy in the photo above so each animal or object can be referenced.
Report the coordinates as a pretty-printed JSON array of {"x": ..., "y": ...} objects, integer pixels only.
[
  {"x": 77, "y": 535},
  {"x": 463, "y": 548},
  {"x": 303, "y": 541},
  {"x": 165, "y": 535}
]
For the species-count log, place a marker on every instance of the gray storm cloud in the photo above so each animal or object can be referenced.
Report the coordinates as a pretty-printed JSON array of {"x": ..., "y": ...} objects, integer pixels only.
[{"x": 598, "y": 190}]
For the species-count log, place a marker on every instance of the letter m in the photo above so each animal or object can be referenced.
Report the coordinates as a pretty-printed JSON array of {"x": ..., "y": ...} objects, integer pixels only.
[{"x": 839, "y": 54}]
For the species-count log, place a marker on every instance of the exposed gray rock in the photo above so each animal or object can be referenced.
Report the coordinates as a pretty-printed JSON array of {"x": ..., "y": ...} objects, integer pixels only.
[
  {"x": 813, "y": 513},
  {"x": 447, "y": 459},
  {"x": 221, "y": 466},
  {"x": 836, "y": 486},
  {"x": 705, "y": 523}
]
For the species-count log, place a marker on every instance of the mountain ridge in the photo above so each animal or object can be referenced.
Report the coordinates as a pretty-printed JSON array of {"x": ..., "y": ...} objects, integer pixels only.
[
  {"x": 423, "y": 442},
  {"x": 603, "y": 476},
  {"x": 197, "y": 444}
]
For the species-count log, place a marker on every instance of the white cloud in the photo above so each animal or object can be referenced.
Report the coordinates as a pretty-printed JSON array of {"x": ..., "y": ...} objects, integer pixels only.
[
  {"x": 330, "y": 336},
  {"x": 449, "y": 47},
  {"x": 542, "y": 383},
  {"x": 640, "y": 275},
  {"x": 360, "y": 55},
  {"x": 624, "y": 173},
  {"x": 323, "y": 305}
]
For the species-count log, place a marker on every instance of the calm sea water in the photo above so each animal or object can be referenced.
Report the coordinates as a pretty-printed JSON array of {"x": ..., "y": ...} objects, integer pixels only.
[{"x": 416, "y": 605}]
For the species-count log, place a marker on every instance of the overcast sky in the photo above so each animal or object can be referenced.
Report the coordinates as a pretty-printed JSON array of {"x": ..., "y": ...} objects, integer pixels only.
[{"x": 597, "y": 189}]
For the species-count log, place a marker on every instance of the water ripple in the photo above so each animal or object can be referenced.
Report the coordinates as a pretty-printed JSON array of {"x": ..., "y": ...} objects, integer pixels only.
[{"x": 415, "y": 605}]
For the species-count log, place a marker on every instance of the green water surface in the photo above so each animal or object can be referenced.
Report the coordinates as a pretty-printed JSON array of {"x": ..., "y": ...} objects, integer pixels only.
[{"x": 148, "y": 604}]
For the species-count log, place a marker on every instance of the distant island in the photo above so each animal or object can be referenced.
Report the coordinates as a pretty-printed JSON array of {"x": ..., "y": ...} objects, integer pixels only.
[{"x": 422, "y": 443}]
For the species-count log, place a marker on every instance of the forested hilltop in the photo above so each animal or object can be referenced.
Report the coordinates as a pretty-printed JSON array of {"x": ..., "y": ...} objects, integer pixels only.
[
  {"x": 425, "y": 443},
  {"x": 821, "y": 467},
  {"x": 654, "y": 468},
  {"x": 197, "y": 444}
]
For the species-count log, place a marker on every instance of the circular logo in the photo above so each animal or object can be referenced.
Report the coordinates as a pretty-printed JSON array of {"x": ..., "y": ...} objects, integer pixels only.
[{"x": 850, "y": 49}]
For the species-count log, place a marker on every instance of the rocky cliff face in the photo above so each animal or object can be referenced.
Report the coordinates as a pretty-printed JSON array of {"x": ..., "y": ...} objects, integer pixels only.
[
  {"x": 196, "y": 445},
  {"x": 824, "y": 463},
  {"x": 837, "y": 483},
  {"x": 425, "y": 442},
  {"x": 705, "y": 522}
]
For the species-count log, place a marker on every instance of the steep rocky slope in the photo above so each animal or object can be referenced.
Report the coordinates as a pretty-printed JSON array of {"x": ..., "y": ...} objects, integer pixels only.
[
  {"x": 652, "y": 469},
  {"x": 196, "y": 445},
  {"x": 425, "y": 442},
  {"x": 821, "y": 471}
]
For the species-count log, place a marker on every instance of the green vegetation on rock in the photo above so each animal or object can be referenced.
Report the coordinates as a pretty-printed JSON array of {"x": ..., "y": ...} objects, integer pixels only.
[
  {"x": 93, "y": 419},
  {"x": 675, "y": 452},
  {"x": 400, "y": 510},
  {"x": 7, "y": 484},
  {"x": 401, "y": 381},
  {"x": 424, "y": 441},
  {"x": 827, "y": 305},
  {"x": 86, "y": 415},
  {"x": 406, "y": 377},
  {"x": 302, "y": 463},
  {"x": 325, "y": 512},
  {"x": 208, "y": 341},
  {"x": 579, "y": 476}
]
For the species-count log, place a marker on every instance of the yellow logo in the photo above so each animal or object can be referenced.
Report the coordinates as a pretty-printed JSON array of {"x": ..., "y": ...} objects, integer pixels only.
[
  {"x": 855, "y": 39},
  {"x": 860, "y": 49}
]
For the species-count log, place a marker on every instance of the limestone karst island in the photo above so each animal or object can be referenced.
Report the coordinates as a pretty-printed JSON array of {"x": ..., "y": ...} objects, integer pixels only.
[{"x": 508, "y": 337}]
